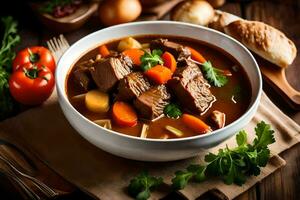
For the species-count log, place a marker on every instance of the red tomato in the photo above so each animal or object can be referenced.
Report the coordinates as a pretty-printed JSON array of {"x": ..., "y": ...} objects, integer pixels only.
[
  {"x": 31, "y": 85},
  {"x": 37, "y": 55}
]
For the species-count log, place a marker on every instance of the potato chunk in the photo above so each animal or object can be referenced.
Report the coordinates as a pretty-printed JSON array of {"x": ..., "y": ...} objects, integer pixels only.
[
  {"x": 128, "y": 43},
  {"x": 97, "y": 101}
]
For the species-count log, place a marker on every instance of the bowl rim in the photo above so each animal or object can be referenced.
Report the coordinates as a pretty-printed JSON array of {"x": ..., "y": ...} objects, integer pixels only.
[{"x": 63, "y": 96}]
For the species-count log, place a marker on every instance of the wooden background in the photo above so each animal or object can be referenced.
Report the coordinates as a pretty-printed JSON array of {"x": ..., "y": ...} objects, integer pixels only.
[{"x": 282, "y": 14}]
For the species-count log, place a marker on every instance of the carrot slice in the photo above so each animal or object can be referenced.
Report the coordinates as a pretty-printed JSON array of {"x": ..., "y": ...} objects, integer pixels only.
[
  {"x": 103, "y": 50},
  {"x": 135, "y": 55},
  {"x": 123, "y": 114},
  {"x": 159, "y": 74},
  {"x": 197, "y": 56},
  {"x": 169, "y": 61},
  {"x": 195, "y": 124}
]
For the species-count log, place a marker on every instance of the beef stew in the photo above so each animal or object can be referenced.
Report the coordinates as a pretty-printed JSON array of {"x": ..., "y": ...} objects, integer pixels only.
[{"x": 195, "y": 81}]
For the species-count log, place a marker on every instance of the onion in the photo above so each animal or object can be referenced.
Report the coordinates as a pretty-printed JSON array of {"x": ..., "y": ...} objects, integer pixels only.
[
  {"x": 106, "y": 123},
  {"x": 193, "y": 11},
  {"x": 174, "y": 130},
  {"x": 144, "y": 131},
  {"x": 113, "y": 12}
]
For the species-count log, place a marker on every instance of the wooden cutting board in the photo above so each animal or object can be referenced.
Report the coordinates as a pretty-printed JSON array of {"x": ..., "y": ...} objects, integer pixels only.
[{"x": 276, "y": 77}]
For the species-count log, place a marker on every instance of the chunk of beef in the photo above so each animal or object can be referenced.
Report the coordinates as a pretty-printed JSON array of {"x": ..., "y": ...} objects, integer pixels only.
[
  {"x": 132, "y": 85},
  {"x": 82, "y": 75},
  {"x": 179, "y": 51},
  {"x": 166, "y": 45},
  {"x": 191, "y": 89},
  {"x": 126, "y": 60},
  {"x": 151, "y": 103},
  {"x": 188, "y": 72},
  {"x": 108, "y": 72},
  {"x": 184, "y": 54}
]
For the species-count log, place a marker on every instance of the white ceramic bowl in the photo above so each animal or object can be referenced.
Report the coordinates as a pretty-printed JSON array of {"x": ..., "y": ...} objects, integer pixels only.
[{"x": 155, "y": 149}]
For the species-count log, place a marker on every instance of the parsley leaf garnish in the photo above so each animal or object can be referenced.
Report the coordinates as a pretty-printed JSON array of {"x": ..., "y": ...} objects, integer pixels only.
[
  {"x": 264, "y": 135},
  {"x": 9, "y": 41},
  {"x": 151, "y": 59},
  {"x": 182, "y": 178},
  {"x": 232, "y": 165},
  {"x": 241, "y": 138},
  {"x": 213, "y": 75},
  {"x": 141, "y": 186},
  {"x": 172, "y": 110}
]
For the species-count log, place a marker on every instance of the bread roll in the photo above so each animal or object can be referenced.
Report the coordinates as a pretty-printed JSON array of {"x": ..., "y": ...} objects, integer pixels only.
[
  {"x": 266, "y": 41},
  {"x": 222, "y": 19},
  {"x": 193, "y": 11}
]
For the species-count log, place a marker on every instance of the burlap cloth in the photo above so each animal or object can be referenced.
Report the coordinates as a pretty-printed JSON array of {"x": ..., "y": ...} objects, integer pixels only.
[{"x": 49, "y": 135}]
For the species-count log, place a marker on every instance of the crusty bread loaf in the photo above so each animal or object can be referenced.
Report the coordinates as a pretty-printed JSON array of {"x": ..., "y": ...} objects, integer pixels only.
[
  {"x": 222, "y": 19},
  {"x": 264, "y": 40}
]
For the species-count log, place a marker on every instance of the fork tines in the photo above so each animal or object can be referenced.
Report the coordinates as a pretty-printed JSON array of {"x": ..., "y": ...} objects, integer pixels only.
[{"x": 58, "y": 46}]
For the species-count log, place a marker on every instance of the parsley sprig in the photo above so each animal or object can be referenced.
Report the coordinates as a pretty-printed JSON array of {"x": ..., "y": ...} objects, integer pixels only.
[
  {"x": 232, "y": 165},
  {"x": 172, "y": 110},
  {"x": 150, "y": 59},
  {"x": 214, "y": 75},
  {"x": 9, "y": 41},
  {"x": 141, "y": 186}
]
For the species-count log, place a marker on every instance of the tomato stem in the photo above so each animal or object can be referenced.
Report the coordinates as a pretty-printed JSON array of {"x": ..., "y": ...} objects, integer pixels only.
[
  {"x": 32, "y": 73},
  {"x": 33, "y": 57}
]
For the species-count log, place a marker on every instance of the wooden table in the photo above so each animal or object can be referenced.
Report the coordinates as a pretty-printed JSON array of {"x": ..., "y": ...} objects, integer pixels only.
[{"x": 284, "y": 15}]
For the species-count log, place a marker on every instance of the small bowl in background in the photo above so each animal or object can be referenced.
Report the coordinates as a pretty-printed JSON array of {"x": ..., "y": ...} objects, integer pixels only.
[{"x": 70, "y": 22}]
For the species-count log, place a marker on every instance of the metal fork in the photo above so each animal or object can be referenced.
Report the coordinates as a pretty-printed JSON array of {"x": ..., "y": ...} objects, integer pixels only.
[
  {"x": 58, "y": 46},
  {"x": 27, "y": 191},
  {"x": 25, "y": 181},
  {"x": 14, "y": 173}
]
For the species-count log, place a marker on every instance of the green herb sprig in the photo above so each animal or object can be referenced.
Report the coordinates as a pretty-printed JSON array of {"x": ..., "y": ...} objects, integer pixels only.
[
  {"x": 232, "y": 165},
  {"x": 141, "y": 186},
  {"x": 172, "y": 110},
  {"x": 9, "y": 41},
  {"x": 213, "y": 75},
  {"x": 150, "y": 59}
]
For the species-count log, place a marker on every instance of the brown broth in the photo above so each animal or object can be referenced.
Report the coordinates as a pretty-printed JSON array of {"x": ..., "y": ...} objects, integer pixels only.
[{"x": 238, "y": 84}]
